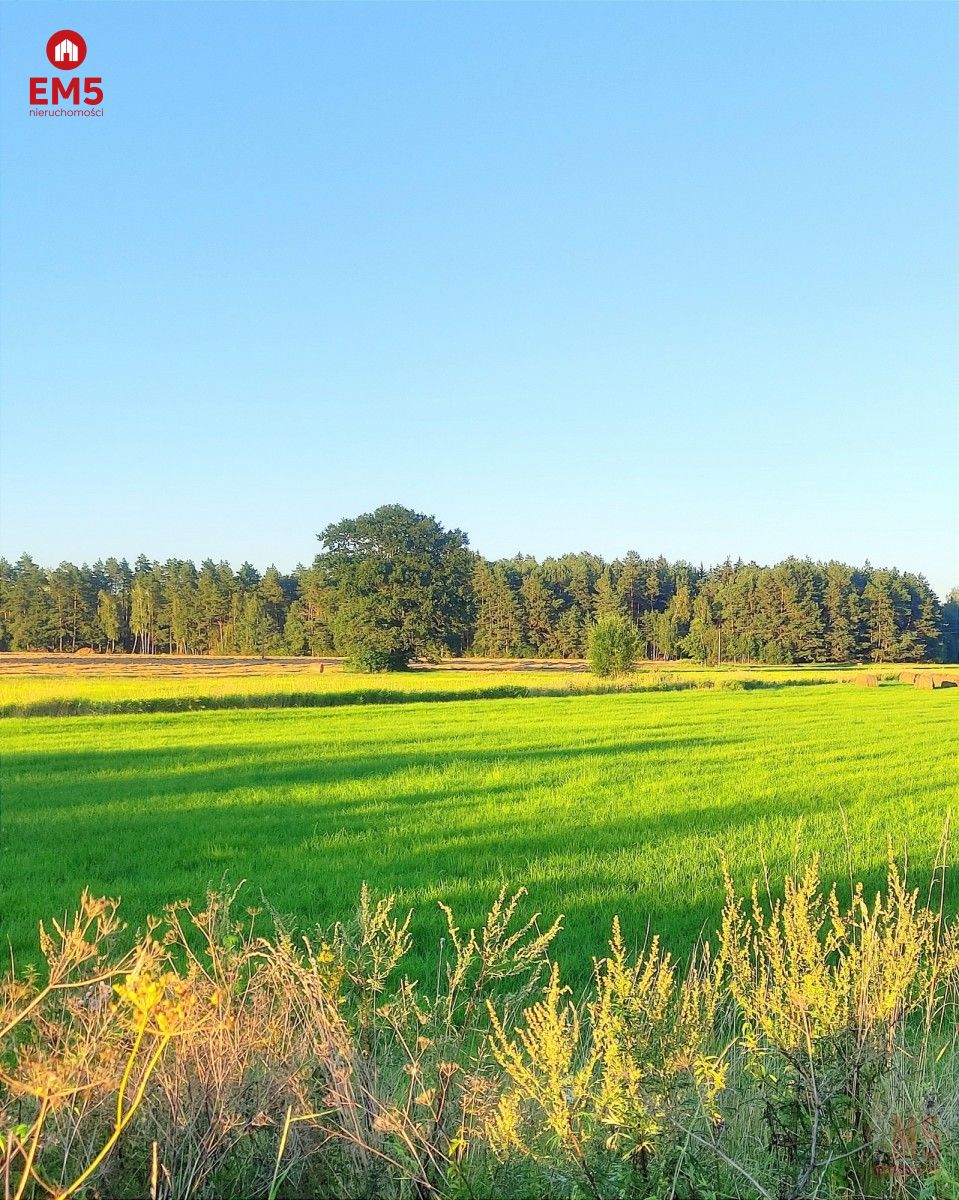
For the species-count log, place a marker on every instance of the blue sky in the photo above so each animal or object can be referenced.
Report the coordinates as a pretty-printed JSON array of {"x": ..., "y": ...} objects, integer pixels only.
[{"x": 678, "y": 278}]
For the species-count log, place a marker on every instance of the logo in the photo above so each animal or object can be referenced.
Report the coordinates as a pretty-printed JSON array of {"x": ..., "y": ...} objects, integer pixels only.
[
  {"x": 73, "y": 96},
  {"x": 66, "y": 49}
]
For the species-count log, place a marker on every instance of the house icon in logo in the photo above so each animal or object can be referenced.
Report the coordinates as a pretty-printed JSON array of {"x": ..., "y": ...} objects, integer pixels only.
[
  {"x": 66, "y": 53},
  {"x": 66, "y": 49}
]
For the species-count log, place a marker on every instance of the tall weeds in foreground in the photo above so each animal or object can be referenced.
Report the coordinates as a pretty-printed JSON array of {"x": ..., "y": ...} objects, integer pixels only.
[{"x": 812, "y": 1053}]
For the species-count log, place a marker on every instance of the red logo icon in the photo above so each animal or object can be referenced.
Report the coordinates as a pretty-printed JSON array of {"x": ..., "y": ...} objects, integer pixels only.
[
  {"x": 70, "y": 95},
  {"x": 66, "y": 50}
]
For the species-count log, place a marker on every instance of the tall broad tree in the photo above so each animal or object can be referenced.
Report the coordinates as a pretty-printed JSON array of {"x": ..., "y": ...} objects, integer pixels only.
[{"x": 400, "y": 587}]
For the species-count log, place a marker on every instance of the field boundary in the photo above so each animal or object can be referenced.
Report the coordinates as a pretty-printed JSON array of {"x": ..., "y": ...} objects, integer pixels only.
[{"x": 90, "y": 707}]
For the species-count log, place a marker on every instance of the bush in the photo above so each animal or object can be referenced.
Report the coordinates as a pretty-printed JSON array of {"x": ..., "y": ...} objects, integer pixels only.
[
  {"x": 613, "y": 646},
  {"x": 371, "y": 660},
  {"x": 812, "y": 1054}
]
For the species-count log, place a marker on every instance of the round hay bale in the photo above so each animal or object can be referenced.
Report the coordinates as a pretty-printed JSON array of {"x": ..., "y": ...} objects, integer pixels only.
[
  {"x": 907, "y": 677},
  {"x": 866, "y": 681},
  {"x": 925, "y": 681}
]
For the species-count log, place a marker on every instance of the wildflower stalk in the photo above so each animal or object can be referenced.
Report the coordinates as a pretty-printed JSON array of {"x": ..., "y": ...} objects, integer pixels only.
[
  {"x": 121, "y": 1123},
  {"x": 32, "y": 1152}
]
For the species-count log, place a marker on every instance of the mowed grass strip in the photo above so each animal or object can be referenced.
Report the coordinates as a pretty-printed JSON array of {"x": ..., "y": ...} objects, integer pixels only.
[{"x": 598, "y": 804}]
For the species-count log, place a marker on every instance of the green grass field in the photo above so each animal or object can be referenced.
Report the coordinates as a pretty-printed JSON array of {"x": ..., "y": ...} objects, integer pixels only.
[{"x": 599, "y": 804}]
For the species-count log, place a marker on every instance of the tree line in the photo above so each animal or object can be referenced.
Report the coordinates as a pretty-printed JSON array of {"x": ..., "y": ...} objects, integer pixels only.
[{"x": 393, "y": 585}]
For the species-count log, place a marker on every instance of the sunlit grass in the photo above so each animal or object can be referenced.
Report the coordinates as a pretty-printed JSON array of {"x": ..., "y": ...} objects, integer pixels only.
[{"x": 599, "y": 804}]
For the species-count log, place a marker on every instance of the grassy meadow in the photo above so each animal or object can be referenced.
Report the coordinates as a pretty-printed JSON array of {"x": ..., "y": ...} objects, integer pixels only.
[{"x": 597, "y": 803}]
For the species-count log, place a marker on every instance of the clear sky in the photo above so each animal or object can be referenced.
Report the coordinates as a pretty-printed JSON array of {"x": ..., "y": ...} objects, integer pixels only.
[{"x": 678, "y": 278}]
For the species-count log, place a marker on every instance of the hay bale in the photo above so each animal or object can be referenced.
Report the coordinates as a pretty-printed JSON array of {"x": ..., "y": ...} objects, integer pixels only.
[
  {"x": 866, "y": 681},
  {"x": 925, "y": 681},
  {"x": 907, "y": 676}
]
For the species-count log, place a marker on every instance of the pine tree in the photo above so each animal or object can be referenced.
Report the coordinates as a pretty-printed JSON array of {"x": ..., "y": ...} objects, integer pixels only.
[
  {"x": 30, "y": 607},
  {"x": 608, "y": 600},
  {"x": 498, "y": 612}
]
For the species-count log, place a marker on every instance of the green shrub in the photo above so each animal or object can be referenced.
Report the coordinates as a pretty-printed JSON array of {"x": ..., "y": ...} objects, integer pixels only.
[
  {"x": 373, "y": 660},
  {"x": 613, "y": 646}
]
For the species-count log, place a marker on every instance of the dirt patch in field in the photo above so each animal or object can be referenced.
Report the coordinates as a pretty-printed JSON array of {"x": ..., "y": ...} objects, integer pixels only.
[
  {"x": 505, "y": 664},
  {"x": 168, "y": 665},
  {"x": 89, "y": 664},
  {"x": 139, "y": 666}
]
